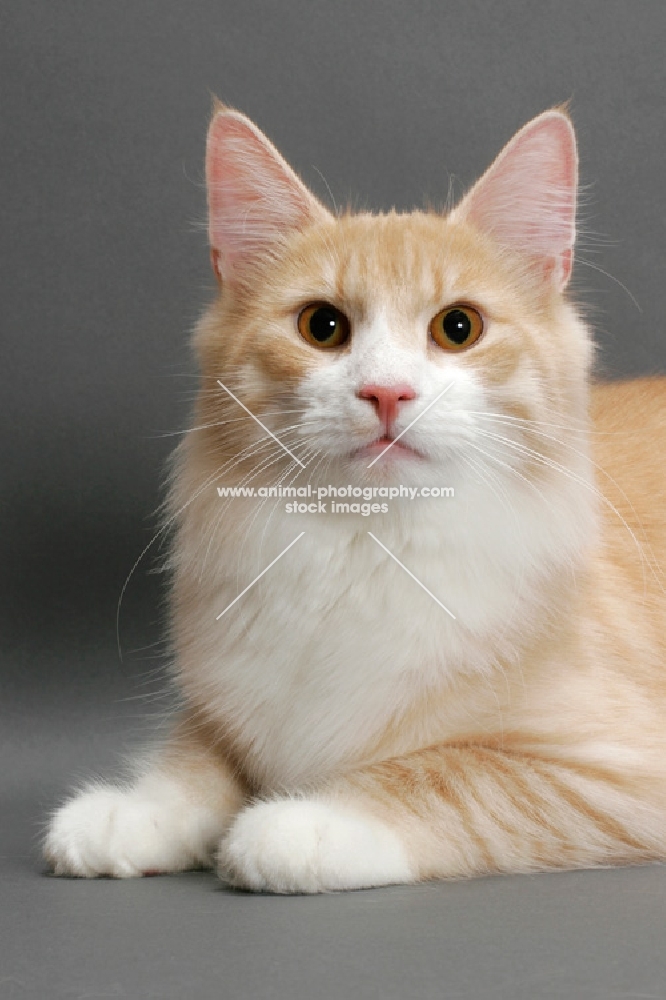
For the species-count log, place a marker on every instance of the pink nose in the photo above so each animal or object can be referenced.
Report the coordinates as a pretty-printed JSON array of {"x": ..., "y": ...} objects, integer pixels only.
[{"x": 385, "y": 399}]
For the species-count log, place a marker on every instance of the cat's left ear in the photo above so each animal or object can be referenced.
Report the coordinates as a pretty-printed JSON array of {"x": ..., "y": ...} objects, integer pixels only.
[
  {"x": 254, "y": 197},
  {"x": 526, "y": 200}
]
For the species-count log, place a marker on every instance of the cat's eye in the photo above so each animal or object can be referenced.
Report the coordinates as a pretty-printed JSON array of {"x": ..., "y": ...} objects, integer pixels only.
[
  {"x": 323, "y": 325},
  {"x": 456, "y": 327}
]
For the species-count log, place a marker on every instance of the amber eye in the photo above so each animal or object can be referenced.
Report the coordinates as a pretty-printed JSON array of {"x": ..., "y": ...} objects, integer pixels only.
[
  {"x": 456, "y": 327},
  {"x": 323, "y": 325}
]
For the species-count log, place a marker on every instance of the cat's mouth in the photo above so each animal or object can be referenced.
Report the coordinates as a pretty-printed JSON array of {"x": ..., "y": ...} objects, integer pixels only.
[{"x": 386, "y": 449}]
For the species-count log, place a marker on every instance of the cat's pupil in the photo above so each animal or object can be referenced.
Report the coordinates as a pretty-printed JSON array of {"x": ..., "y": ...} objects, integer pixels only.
[
  {"x": 457, "y": 326},
  {"x": 323, "y": 323}
]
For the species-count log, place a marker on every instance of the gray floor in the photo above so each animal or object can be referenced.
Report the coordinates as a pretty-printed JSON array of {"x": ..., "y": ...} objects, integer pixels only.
[{"x": 578, "y": 935}]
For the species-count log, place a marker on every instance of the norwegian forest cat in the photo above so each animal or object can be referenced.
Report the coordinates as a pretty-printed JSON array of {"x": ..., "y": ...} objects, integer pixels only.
[{"x": 448, "y": 687}]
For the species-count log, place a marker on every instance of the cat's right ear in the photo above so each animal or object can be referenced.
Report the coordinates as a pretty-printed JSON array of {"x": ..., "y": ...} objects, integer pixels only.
[
  {"x": 526, "y": 200},
  {"x": 254, "y": 197}
]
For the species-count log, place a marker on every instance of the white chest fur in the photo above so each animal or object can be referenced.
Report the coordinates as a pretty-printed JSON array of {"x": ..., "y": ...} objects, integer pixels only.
[{"x": 306, "y": 670}]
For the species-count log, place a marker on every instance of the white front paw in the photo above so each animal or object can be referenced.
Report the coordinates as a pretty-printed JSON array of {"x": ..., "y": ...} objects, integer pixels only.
[
  {"x": 300, "y": 845},
  {"x": 111, "y": 831}
]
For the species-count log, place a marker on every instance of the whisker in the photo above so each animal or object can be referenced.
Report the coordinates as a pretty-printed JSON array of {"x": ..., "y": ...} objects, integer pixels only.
[
  {"x": 224, "y": 468},
  {"x": 595, "y": 267}
]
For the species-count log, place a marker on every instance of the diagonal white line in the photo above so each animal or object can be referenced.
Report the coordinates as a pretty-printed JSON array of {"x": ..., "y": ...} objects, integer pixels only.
[
  {"x": 263, "y": 425},
  {"x": 217, "y": 617},
  {"x": 409, "y": 573},
  {"x": 417, "y": 417}
]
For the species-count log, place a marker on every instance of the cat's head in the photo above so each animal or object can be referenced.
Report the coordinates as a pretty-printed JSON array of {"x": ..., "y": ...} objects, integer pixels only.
[{"x": 343, "y": 332}]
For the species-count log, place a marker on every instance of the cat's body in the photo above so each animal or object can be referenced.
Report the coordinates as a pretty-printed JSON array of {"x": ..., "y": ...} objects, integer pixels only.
[{"x": 343, "y": 727}]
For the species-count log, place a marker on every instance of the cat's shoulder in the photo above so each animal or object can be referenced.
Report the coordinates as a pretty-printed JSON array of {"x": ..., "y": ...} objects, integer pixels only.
[
  {"x": 629, "y": 448},
  {"x": 637, "y": 405}
]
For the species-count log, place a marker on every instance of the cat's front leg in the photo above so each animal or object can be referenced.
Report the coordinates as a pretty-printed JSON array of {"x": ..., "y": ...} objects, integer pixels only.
[
  {"x": 168, "y": 818},
  {"x": 313, "y": 845},
  {"x": 444, "y": 812}
]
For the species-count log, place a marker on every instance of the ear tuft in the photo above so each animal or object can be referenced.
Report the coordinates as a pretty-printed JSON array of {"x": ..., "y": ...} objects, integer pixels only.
[
  {"x": 526, "y": 200},
  {"x": 217, "y": 106},
  {"x": 254, "y": 197}
]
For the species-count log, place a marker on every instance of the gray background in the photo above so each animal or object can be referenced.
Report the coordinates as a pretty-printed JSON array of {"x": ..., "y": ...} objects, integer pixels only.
[{"x": 103, "y": 270}]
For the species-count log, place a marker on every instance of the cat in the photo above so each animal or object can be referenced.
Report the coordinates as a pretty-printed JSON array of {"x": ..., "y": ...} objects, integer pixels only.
[{"x": 449, "y": 687}]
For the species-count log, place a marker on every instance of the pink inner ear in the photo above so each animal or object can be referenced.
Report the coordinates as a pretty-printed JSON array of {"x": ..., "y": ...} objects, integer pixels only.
[
  {"x": 527, "y": 199},
  {"x": 254, "y": 197}
]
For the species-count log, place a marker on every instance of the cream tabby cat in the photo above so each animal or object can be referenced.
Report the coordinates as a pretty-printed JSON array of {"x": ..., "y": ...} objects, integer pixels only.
[{"x": 340, "y": 727}]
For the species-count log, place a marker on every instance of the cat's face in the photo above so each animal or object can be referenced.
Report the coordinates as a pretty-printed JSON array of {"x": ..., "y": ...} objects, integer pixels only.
[{"x": 346, "y": 333}]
